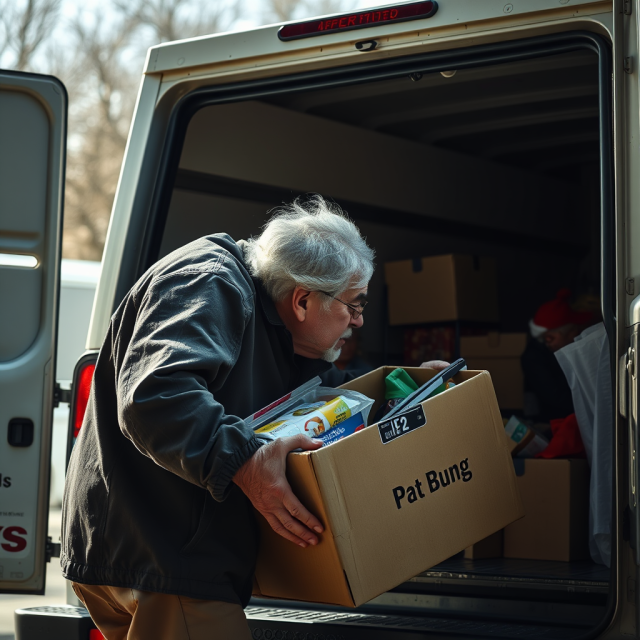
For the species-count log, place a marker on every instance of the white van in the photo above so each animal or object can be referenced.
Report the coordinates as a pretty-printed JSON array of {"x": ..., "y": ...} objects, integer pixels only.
[
  {"x": 484, "y": 127},
  {"x": 78, "y": 282}
]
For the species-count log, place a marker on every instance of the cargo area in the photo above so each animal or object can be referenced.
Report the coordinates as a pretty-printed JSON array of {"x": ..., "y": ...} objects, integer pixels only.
[{"x": 495, "y": 166}]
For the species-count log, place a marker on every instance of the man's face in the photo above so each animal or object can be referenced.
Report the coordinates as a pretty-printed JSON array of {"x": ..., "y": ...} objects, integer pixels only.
[
  {"x": 324, "y": 331},
  {"x": 349, "y": 350},
  {"x": 555, "y": 339}
]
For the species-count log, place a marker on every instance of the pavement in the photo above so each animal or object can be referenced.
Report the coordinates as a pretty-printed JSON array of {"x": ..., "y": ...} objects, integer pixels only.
[{"x": 55, "y": 591}]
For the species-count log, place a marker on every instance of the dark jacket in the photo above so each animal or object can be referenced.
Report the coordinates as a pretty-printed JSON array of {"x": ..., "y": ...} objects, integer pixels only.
[
  {"x": 195, "y": 347},
  {"x": 544, "y": 378}
]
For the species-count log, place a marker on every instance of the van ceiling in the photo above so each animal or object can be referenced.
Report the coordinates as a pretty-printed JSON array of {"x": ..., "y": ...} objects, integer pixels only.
[
  {"x": 499, "y": 161},
  {"x": 530, "y": 128},
  {"x": 539, "y": 114}
]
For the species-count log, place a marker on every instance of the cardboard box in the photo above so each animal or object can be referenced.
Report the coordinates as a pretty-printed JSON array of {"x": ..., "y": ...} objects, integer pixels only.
[
  {"x": 499, "y": 354},
  {"x": 393, "y": 510},
  {"x": 442, "y": 289},
  {"x": 555, "y": 496},
  {"x": 489, "y": 547}
]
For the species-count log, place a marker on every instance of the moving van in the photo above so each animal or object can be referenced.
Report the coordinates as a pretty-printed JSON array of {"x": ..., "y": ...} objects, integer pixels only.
[
  {"x": 490, "y": 128},
  {"x": 78, "y": 282}
]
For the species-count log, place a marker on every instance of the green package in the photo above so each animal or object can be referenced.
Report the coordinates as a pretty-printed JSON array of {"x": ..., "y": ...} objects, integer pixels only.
[{"x": 399, "y": 385}]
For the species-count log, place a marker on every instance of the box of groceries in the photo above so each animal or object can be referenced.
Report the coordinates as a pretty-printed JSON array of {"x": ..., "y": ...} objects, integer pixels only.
[{"x": 425, "y": 480}]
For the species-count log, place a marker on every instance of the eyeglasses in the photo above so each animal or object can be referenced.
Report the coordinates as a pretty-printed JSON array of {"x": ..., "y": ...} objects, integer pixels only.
[{"x": 356, "y": 310}]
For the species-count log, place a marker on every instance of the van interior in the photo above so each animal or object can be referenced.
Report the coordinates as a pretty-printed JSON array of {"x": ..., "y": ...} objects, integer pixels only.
[{"x": 497, "y": 160}]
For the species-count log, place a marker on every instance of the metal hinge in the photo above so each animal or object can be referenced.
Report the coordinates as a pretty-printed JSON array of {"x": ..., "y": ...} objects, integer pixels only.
[
  {"x": 51, "y": 549},
  {"x": 61, "y": 395},
  {"x": 630, "y": 286},
  {"x": 625, "y": 366},
  {"x": 627, "y": 7},
  {"x": 628, "y": 65}
]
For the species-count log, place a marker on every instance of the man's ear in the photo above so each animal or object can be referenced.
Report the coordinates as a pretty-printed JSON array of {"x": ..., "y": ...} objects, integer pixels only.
[{"x": 299, "y": 303}]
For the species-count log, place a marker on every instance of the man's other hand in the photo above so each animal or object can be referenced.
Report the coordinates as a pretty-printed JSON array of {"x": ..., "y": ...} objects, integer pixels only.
[
  {"x": 438, "y": 365},
  {"x": 262, "y": 479}
]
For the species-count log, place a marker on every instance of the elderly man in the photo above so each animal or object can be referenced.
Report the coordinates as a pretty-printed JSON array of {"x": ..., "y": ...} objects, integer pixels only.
[{"x": 159, "y": 534}]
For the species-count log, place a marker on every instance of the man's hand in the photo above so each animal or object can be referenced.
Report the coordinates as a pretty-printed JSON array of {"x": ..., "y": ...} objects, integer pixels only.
[
  {"x": 438, "y": 365},
  {"x": 262, "y": 479}
]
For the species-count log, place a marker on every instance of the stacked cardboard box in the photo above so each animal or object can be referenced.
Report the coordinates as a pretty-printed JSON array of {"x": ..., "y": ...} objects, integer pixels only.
[
  {"x": 499, "y": 354},
  {"x": 555, "y": 497},
  {"x": 442, "y": 289}
]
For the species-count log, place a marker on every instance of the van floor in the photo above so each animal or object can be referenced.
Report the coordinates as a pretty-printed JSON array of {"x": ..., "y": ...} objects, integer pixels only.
[
  {"x": 584, "y": 574},
  {"x": 499, "y": 597},
  {"x": 275, "y": 622},
  {"x": 581, "y": 584}
]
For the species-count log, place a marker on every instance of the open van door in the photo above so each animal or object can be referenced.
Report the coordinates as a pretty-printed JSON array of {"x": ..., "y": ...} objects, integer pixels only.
[{"x": 33, "y": 113}]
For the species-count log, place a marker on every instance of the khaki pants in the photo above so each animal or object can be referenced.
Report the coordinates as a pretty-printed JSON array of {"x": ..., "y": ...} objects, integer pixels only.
[{"x": 128, "y": 614}]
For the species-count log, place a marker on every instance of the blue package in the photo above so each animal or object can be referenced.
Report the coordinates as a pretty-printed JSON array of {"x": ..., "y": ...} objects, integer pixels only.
[{"x": 342, "y": 430}]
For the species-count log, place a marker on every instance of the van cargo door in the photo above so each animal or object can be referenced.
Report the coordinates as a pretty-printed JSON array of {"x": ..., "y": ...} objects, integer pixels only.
[{"x": 33, "y": 113}]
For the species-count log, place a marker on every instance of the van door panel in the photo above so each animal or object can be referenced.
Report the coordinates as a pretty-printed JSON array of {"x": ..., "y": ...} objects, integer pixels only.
[
  {"x": 32, "y": 153},
  {"x": 629, "y": 409}
]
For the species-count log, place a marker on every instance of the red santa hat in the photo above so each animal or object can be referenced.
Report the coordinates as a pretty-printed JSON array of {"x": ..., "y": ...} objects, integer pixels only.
[{"x": 557, "y": 313}]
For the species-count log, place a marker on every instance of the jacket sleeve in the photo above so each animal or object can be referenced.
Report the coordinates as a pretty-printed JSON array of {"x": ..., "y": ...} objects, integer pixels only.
[{"x": 188, "y": 332}]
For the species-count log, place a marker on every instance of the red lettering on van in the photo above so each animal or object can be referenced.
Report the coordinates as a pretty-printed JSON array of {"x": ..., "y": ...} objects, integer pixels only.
[{"x": 14, "y": 540}]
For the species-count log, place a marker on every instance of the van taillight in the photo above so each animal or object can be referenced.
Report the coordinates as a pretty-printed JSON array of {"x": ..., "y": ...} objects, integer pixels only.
[{"x": 81, "y": 389}]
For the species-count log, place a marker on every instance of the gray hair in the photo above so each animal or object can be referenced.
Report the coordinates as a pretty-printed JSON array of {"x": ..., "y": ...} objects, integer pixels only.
[{"x": 313, "y": 244}]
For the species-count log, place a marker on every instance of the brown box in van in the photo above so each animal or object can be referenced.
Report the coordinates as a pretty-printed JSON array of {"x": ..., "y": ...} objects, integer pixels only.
[
  {"x": 442, "y": 289},
  {"x": 555, "y": 496},
  {"x": 499, "y": 354},
  {"x": 443, "y": 480},
  {"x": 489, "y": 547}
]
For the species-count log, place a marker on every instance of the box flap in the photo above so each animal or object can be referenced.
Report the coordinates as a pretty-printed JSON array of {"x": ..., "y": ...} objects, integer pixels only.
[
  {"x": 493, "y": 345},
  {"x": 291, "y": 572},
  {"x": 387, "y": 515}
]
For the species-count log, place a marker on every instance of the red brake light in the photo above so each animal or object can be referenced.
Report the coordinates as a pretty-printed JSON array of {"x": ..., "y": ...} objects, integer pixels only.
[
  {"x": 358, "y": 20},
  {"x": 94, "y": 634},
  {"x": 81, "y": 391}
]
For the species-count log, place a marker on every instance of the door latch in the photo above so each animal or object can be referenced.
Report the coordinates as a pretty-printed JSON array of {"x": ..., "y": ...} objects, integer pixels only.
[
  {"x": 51, "y": 550},
  {"x": 61, "y": 395},
  {"x": 624, "y": 372},
  {"x": 628, "y": 380}
]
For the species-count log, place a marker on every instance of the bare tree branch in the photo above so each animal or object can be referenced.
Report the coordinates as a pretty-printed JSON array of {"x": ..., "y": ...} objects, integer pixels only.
[
  {"x": 103, "y": 81},
  {"x": 171, "y": 20},
  {"x": 327, "y": 7},
  {"x": 25, "y": 26},
  {"x": 282, "y": 10},
  {"x": 285, "y": 10}
]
